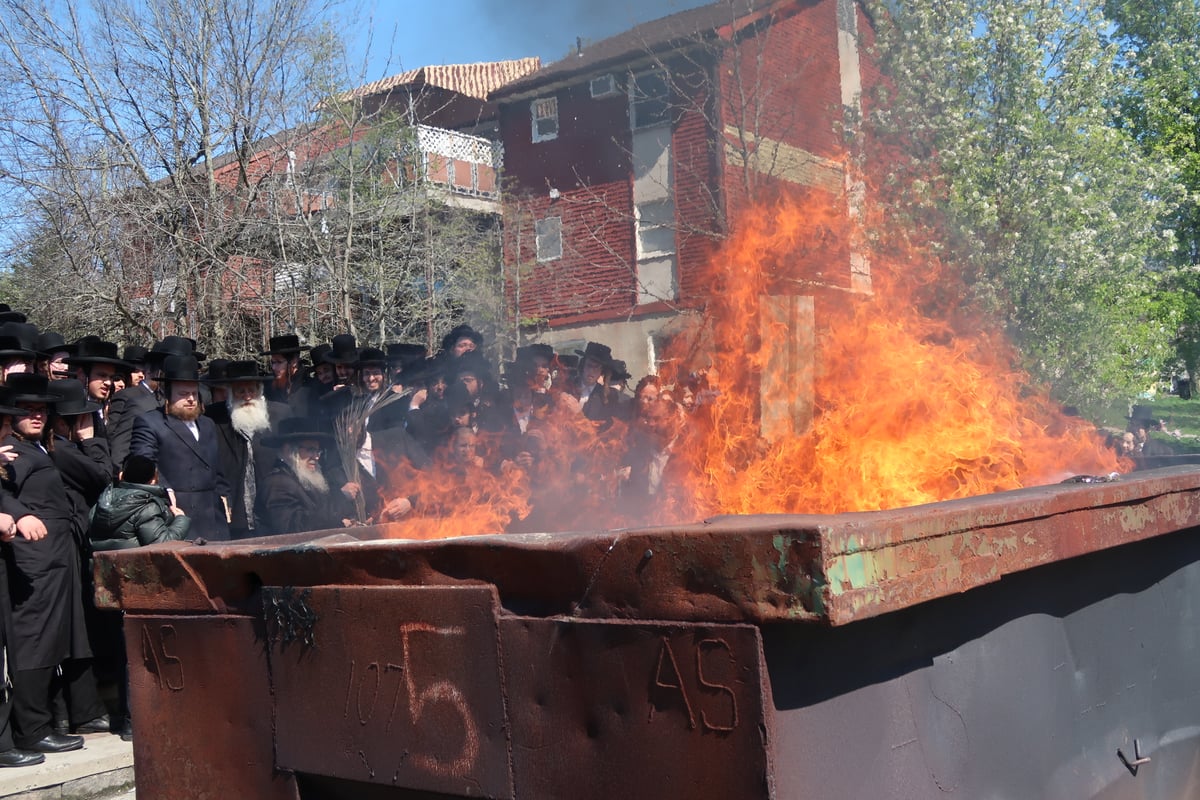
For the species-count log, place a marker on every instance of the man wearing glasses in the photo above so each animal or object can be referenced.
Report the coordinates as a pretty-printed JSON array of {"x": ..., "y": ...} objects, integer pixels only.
[{"x": 297, "y": 496}]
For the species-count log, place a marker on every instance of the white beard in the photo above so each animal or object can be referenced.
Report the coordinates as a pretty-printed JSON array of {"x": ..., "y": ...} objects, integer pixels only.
[
  {"x": 311, "y": 479},
  {"x": 251, "y": 419}
]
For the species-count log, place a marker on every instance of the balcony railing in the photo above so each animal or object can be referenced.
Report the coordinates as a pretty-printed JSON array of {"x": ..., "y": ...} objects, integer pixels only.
[{"x": 462, "y": 163}]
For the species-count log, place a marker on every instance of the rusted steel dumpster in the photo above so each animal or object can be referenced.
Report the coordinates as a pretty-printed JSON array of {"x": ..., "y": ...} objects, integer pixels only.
[{"x": 1040, "y": 643}]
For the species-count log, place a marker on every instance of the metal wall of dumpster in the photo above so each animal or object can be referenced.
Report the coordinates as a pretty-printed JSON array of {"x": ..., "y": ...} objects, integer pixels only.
[{"x": 1037, "y": 643}]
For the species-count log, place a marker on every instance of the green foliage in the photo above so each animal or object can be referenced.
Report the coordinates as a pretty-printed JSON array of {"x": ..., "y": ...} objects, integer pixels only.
[{"x": 1011, "y": 158}]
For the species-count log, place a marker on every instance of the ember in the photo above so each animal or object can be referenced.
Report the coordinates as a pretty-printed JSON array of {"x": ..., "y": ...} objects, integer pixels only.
[{"x": 913, "y": 402}]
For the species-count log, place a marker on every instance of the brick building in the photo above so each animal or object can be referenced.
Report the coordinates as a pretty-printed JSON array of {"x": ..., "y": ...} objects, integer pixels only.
[{"x": 627, "y": 161}]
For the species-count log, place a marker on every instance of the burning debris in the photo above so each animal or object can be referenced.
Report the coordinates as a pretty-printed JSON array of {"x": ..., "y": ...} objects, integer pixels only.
[{"x": 912, "y": 401}]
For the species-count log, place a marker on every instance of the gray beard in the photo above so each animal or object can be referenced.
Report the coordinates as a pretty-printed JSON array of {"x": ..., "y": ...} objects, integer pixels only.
[
  {"x": 311, "y": 479},
  {"x": 251, "y": 419}
]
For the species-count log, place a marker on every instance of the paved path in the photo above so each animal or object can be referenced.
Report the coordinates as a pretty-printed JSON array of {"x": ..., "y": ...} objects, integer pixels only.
[{"x": 102, "y": 770}]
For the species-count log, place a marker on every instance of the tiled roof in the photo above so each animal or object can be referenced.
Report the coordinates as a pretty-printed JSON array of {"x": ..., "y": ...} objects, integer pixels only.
[
  {"x": 656, "y": 36},
  {"x": 472, "y": 80}
]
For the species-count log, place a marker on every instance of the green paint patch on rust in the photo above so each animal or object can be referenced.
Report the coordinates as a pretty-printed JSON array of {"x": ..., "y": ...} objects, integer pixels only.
[{"x": 793, "y": 579}]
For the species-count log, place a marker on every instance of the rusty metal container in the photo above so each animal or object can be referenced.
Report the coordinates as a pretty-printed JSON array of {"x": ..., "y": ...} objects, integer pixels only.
[{"x": 1040, "y": 643}]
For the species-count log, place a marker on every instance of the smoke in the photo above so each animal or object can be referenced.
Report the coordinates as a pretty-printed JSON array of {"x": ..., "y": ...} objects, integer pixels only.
[{"x": 551, "y": 29}]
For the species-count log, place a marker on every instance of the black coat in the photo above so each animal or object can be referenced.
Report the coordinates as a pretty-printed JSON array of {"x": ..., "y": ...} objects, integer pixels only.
[
  {"x": 189, "y": 466},
  {"x": 124, "y": 407},
  {"x": 235, "y": 457},
  {"x": 48, "y": 625},
  {"x": 85, "y": 470},
  {"x": 292, "y": 508}
]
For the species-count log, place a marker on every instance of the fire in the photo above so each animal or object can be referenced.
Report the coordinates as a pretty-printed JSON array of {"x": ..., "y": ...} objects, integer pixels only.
[{"x": 912, "y": 401}]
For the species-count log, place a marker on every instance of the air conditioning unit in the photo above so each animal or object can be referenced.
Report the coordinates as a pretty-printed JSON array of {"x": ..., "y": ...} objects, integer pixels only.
[{"x": 604, "y": 85}]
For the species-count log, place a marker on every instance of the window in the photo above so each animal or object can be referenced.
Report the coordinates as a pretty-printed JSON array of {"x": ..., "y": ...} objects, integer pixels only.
[
  {"x": 603, "y": 85},
  {"x": 655, "y": 228},
  {"x": 549, "y": 238},
  {"x": 649, "y": 100},
  {"x": 545, "y": 119}
]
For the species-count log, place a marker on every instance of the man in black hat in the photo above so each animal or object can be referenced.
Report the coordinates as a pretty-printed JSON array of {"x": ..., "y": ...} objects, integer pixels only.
[
  {"x": 48, "y": 626},
  {"x": 287, "y": 377},
  {"x": 242, "y": 423},
  {"x": 96, "y": 365},
  {"x": 52, "y": 355},
  {"x": 140, "y": 396},
  {"x": 297, "y": 496},
  {"x": 18, "y": 344},
  {"x": 599, "y": 400},
  {"x": 461, "y": 339},
  {"x": 183, "y": 442}
]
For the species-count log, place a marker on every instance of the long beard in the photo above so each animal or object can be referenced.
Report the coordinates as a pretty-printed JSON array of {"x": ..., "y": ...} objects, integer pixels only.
[
  {"x": 250, "y": 419},
  {"x": 311, "y": 479}
]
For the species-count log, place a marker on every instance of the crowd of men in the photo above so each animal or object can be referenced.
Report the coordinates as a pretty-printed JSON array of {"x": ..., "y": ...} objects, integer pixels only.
[{"x": 105, "y": 448}]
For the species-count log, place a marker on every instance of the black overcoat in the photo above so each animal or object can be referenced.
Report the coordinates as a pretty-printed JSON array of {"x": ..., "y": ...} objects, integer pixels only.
[
  {"x": 189, "y": 466},
  {"x": 46, "y": 595}
]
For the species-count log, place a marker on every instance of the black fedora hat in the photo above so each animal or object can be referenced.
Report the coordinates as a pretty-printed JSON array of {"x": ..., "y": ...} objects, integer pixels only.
[
  {"x": 531, "y": 351},
  {"x": 6, "y": 404},
  {"x": 297, "y": 429},
  {"x": 134, "y": 355},
  {"x": 29, "y": 387},
  {"x": 18, "y": 340},
  {"x": 11, "y": 316},
  {"x": 286, "y": 345},
  {"x": 51, "y": 342},
  {"x": 404, "y": 353},
  {"x": 463, "y": 331},
  {"x": 173, "y": 346},
  {"x": 94, "y": 350},
  {"x": 600, "y": 353},
  {"x": 474, "y": 363},
  {"x": 244, "y": 371},
  {"x": 371, "y": 356},
  {"x": 215, "y": 371},
  {"x": 71, "y": 398},
  {"x": 342, "y": 350},
  {"x": 317, "y": 356},
  {"x": 181, "y": 368},
  {"x": 620, "y": 372}
]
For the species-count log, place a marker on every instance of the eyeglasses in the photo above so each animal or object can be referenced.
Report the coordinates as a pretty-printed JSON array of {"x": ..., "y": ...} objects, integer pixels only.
[{"x": 311, "y": 452}]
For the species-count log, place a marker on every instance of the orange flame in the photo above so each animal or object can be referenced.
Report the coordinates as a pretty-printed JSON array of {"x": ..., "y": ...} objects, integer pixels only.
[{"x": 912, "y": 402}]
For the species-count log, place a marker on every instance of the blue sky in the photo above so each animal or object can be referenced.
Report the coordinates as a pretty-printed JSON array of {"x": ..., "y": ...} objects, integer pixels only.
[{"x": 420, "y": 32}]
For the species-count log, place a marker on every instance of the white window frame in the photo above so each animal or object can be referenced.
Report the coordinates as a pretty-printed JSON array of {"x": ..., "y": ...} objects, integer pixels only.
[
  {"x": 543, "y": 237},
  {"x": 543, "y": 104},
  {"x": 633, "y": 99},
  {"x": 643, "y": 227},
  {"x": 607, "y": 85}
]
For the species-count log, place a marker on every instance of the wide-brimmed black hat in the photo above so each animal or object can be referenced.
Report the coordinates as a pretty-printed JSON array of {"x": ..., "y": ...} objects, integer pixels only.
[
  {"x": 173, "y": 346},
  {"x": 215, "y": 371},
  {"x": 71, "y": 398},
  {"x": 342, "y": 350},
  {"x": 18, "y": 340},
  {"x": 135, "y": 355},
  {"x": 600, "y": 353},
  {"x": 567, "y": 361},
  {"x": 317, "y": 356},
  {"x": 404, "y": 353},
  {"x": 531, "y": 351},
  {"x": 297, "y": 429},
  {"x": 181, "y": 368},
  {"x": 29, "y": 387},
  {"x": 11, "y": 316},
  {"x": 286, "y": 345},
  {"x": 463, "y": 331},
  {"x": 94, "y": 350},
  {"x": 474, "y": 362},
  {"x": 244, "y": 371},
  {"x": 371, "y": 356},
  {"x": 6, "y": 404},
  {"x": 50, "y": 342}
]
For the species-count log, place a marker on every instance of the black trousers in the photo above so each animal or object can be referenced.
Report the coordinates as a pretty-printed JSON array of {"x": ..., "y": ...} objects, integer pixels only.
[{"x": 33, "y": 707}]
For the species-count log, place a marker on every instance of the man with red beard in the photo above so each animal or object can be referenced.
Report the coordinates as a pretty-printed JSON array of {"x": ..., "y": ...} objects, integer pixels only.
[
  {"x": 245, "y": 459},
  {"x": 184, "y": 444}
]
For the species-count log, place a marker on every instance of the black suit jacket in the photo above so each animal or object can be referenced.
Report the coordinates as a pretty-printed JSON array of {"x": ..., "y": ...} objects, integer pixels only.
[
  {"x": 192, "y": 468},
  {"x": 124, "y": 407}
]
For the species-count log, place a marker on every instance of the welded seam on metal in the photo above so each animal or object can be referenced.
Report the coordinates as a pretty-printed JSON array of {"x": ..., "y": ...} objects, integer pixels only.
[{"x": 587, "y": 590}]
